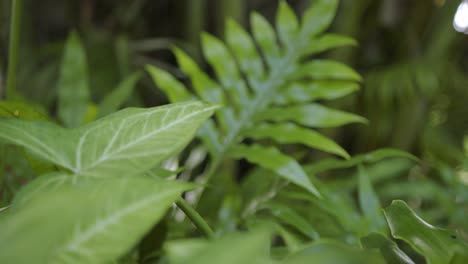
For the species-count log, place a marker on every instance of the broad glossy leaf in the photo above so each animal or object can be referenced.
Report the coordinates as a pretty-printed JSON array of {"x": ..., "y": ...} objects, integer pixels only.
[
  {"x": 237, "y": 248},
  {"x": 128, "y": 142},
  {"x": 371, "y": 157},
  {"x": 175, "y": 90},
  {"x": 287, "y": 25},
  {"x": 304, "y": 92},
  {"x": 318, "y": 17},
  {"x": 117, "y": 97},
  {"x": 265, "y": 37},
  {"x": 287, "y": 133},
  {"x": 312, "y": 115},
  {"x": 20, "y": 110},
  {"x": 135, "y": 140},
  {"x": 73, "y": 90},
  {"x": 388, "y": 248},
  {"x": 272, "y": 159},
  {"x": 106, "y": 219},
  {"x": 326, "y": 70},
  {"x": 437, "y": 245},
  {"x": 369, "y": 203},
  {"x": 328, "y": 41}
]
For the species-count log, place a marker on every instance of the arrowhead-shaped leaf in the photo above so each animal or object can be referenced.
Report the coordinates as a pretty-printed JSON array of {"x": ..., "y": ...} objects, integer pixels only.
[{"x": 92, "y": 221}]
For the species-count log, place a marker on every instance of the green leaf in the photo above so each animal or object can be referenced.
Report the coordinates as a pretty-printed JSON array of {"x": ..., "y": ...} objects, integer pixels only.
[
  {"x": 20, "y": 110},
  {"x": 371, "y": 157},
  {"x": 117, "y": 97},
  {"x": 265, "y": 37},
  {"x": 73, "y": 91},
  {"x": 290, "y": 217},
  {"x": 285, "y": 133},
  {"x": 318, "y": 17},
  {"x": 388, "y": 248},
  {"x": 128, "y": 142},
  {"x": 304, "y": 92},
  {"x": 243, "y": 47},
  {"x": 287, "y": 25},
  {"x": 369, "y": 202},
  {"x": 437, "y": 245},
  {"x": 333, "y": 252},
  {"x": 329, "y": 41},
  {"x": 174, "y": 89},
  {"x": 326, "y": 70},
  {"x": 94, "y": 221},
  {"x": 312, "y": 115},
  {"x": 237, "y": 248},
  {"x": 272, "y": 159}
]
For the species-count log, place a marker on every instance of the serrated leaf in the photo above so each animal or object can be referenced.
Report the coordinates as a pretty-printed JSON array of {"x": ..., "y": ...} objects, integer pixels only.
[
  {"x": 304, "y": 92},
  {"x": 437, "y": 245},
  {"x": 287, "y": 133},
  {"x": 128, "y": 142},
  {"x": 388, "y": 248},
  {"x": 73, "y": 90},
  {"x": 326, "y": 70},
  {"x": 107, "y": 217},
  {"x": 272, "y": 159},
  {"x": 312, "y": 115},
  {"x": 117, "y": 97}
]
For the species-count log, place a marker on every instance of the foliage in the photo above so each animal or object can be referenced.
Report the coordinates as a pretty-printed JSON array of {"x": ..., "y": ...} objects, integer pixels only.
[{"x": 90, "y": 183}]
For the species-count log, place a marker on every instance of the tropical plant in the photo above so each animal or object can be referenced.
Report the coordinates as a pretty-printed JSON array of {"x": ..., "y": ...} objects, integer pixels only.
[{"x": 101, "y": 190}]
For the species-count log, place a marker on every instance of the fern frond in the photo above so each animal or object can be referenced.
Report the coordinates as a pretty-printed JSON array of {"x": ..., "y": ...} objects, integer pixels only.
[{"x": 267, "y": 77}]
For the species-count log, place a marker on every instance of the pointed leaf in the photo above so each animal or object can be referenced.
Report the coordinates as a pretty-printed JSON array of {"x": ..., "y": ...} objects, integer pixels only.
[
  {"x": 117, "y": 97},
  {"x": 312, "y": 115},
  {"x": 243, "y": 47},
  {"x": 318, "y": 17},
  {"x": 387, "y": 247},
  {"x": 107, "y": 218},
  {"x": 369, "y": 203},
  {"x": 304, "y": 92},
  {"x": 285, "y": 133},
  {"x": 287, "y": 25},
  {"x": 73, "y": 88},
  {"x": 272, "y": 159},
  {"x": 20, "y": 110},
  {"x": 290, "y": 217},
  {"x": 265, "y": 37},
  {"x": 326, "y": 70},
  {"x": 437, "y": 245},
  {"x": 174, "y": 90},
  {"x": 327, "y": 42}
]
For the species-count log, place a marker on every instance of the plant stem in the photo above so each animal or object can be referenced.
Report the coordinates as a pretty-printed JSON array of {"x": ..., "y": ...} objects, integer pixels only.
[
  {"x": 196, "y": 219},
  {"x": 15, "y": 27}
]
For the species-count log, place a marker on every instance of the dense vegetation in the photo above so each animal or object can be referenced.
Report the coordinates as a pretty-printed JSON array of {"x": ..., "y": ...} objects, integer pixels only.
[{"x": 268, "y": 151}]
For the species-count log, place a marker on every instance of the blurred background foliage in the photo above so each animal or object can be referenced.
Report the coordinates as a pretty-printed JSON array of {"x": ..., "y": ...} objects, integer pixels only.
[{"x": 414, "y": 63}]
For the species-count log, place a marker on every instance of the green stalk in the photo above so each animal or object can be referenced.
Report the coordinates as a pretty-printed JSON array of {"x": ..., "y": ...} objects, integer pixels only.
[
  {"x": 196, "y": 219},
  {"x": 15, "y": 28}
]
